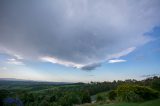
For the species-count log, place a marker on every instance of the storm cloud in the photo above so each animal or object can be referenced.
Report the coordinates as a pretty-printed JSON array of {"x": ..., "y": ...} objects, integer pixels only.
[{"x": 76, "y": 33}]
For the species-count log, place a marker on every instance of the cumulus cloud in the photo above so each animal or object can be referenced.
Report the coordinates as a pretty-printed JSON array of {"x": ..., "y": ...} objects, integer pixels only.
[
  {"x": 116, "y": 61},
  {"x": 77, "y": 33}
]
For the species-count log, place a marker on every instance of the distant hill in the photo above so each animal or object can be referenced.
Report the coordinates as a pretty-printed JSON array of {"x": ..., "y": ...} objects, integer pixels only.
[
  {"x": 12, "y": 79},
  {"x": 23, "y": 81}
]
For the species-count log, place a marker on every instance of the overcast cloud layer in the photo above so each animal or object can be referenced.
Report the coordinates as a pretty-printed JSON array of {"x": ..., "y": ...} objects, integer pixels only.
[{"x": 76, "y": 33}]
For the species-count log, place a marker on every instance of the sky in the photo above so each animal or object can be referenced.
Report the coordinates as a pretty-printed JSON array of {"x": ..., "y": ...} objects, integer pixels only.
[{"x": 79, "y": 40}]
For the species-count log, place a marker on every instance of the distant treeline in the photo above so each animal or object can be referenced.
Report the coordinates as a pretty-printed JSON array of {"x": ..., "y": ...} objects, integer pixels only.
[{"x": 68, "y": 94}]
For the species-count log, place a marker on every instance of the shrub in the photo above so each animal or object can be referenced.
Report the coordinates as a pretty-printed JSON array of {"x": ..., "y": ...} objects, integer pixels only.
[
  {"x": 134, "y": 93},
  {"x": 112, "y": 95},
  {"x": 100, "y": 98},
  {"x": 155, "y": 83},
  {"x": 69, "y": 99},
  {"x": 85, "y": 96},
  {"x": 146, "y": 93},
  {"x": 44, "y": 103}
]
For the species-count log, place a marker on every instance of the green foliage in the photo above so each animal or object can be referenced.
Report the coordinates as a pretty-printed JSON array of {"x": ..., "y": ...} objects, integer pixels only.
[
  {"x": 112, "y": 95},
  {"x": 156, "y": 83},
  {"x": 135, "y": 93},
  {"x": 151, "y": 103},
  {"x": 3, "y": 94},
  {"x": 69, "y": 99},
  {"x": 52, "y": 98},
  {"x": 146, "y": 93},
  {"x": 85, "y": 96},
  {"x": 49, "y": 94},
  {"x": 100, "y": 98},
  {"x": 44, "y": 103},
  {"x": 65, "y": 101},
  {"x": 148, "y": 103}
]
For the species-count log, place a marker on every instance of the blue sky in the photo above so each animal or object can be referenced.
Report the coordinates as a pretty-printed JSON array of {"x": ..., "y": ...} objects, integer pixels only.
[{"x": 79, "y": 41}]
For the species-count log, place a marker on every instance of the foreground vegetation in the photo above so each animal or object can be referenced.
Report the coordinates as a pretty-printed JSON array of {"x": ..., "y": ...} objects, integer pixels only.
[
  {"x": 116, "y": 93},
  {"x": 148, "y": 103}
]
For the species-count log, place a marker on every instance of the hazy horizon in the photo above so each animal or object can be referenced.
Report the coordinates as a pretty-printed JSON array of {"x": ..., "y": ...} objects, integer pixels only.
[{"x": 79, "y": 41}]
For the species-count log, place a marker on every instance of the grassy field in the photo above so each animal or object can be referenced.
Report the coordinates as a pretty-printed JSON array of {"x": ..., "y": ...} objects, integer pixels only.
[{"x": 148, "y": 103}]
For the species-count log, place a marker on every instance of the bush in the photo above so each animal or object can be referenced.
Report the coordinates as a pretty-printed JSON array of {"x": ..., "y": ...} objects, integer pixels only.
[
  {"x": 85, "y": 96},
  {"x": 69, "y": 99},
  {"x": 146, "y": 93},
  {"x": 134, "y": 93},
  {"x": 100, "y": 98},
  {"x": 156, "y": 84},
  {"x": 112, "y": 95},
  {"x": 44, "y": 103}
]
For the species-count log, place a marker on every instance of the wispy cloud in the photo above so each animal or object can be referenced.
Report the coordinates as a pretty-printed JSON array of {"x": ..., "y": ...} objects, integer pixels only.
[
  {"x": 3, "y": 68},
  {"x": 4, "y": 50},
  {"x": 18, "y": 56},
  {"x": 122, "y": 53},
  {"x": 150, "y": 75},
  {"x": 116, "y": 61},
  {"x": 15, "y": 62},
  {"x": 62, "y": 62},
  {"x": 70, "y": 64}
]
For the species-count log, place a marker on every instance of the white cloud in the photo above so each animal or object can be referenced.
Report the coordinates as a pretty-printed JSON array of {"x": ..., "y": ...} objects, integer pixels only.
[
  {"x": 15, "y": 62},
  {"x": 10, "y": 53},
  {"x": 18, "y": 56},
  {"x": 14, "y": 58},
  {"x": 57, "y": 61},
  {"x": 122, "y": 53},
  {"x": 116, "y": 61}
]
